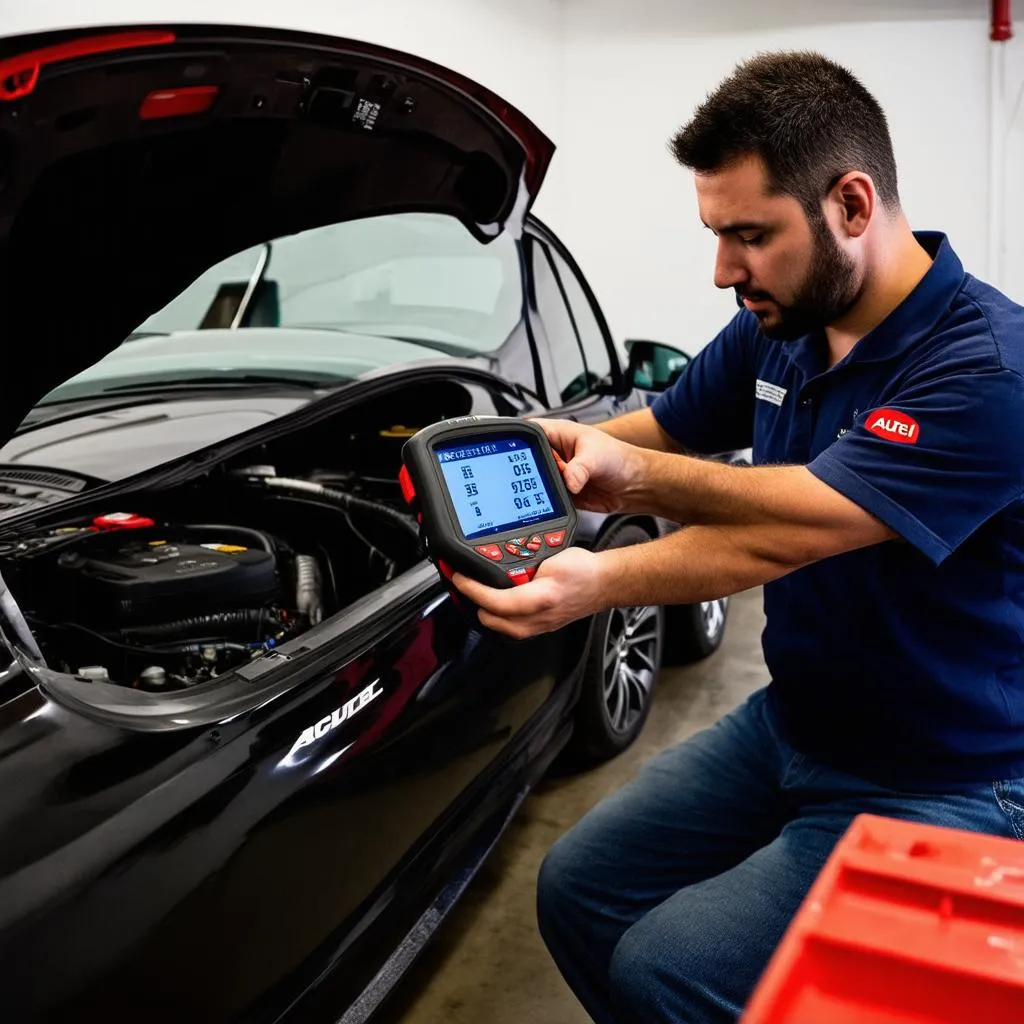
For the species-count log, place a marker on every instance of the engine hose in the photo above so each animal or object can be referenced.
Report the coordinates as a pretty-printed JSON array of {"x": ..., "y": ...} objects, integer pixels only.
[
  {"x": 215, "y": 623},
  {"x": 220, "y": 645},
  {"x": 308, "y": 591},
  {"x": 348, "y": 502}
]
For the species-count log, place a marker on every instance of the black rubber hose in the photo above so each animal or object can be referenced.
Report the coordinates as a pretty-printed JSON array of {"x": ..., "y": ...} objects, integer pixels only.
[
  {"x": 214, "y": 623},
  {"x": 348, "y": 502},
  {"x": 219, "y": 645}
]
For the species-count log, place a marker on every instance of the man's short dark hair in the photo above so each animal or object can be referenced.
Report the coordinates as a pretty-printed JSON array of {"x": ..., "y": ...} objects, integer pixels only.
[{"x": 810, "y": 120}]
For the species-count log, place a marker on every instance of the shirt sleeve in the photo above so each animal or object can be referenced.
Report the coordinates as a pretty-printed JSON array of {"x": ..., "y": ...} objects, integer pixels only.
[
  {"x": 710, "y": 408},
  {"x": 937, "y": 461}
]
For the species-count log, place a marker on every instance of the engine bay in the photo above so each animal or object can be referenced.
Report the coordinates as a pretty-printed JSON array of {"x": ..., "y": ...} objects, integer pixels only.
[
  {"x": 190, "y": 583},
  {"x": 157, "y": 600}
]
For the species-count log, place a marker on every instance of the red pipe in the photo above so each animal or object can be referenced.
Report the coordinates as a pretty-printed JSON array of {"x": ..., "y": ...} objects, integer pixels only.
[{"x": 1002, "y": 23}]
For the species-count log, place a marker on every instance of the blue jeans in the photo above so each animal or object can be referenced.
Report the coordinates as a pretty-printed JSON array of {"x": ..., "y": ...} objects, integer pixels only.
[{"x": 665, "y": 902}]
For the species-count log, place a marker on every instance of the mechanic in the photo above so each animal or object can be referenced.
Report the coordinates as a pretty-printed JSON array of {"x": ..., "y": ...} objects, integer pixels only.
[{"x": 881, "y": 389}]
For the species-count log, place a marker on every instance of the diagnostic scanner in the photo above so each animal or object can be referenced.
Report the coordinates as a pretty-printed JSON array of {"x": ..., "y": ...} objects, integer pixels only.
[{"x": 489, "y": 496}]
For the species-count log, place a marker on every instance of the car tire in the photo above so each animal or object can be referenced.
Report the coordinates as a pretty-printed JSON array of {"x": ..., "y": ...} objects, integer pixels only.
[
  {"x": 622, "y": 665},
  {"x": 695, "y": 630}
]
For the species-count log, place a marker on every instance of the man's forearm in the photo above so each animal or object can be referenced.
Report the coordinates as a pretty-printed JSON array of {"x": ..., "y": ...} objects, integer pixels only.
[
  {"x": 699, "y": 563},
  {"x": 699, "y": 491},
  {"x": 780, "y": 509},
  {"x": 690, "y": 490},
  {"x": 639, "y": 428}
]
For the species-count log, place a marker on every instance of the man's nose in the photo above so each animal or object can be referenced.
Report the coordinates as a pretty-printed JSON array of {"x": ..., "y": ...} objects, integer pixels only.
[{"x": 729, "y": 271}]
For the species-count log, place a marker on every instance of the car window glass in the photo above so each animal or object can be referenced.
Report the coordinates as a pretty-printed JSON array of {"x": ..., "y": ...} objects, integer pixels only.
[
  {"x": 566, "y": 356},
  {"x": 361, "y": 295},
  {"x": 592, "y": 339},
  {"x": 412, "y": 275}
]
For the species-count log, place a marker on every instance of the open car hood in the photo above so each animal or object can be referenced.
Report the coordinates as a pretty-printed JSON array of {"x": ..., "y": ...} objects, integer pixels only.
[{"x": 133, "y": 158}]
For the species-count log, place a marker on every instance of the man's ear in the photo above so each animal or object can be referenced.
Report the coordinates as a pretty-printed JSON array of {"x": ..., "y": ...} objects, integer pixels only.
[{"x": 853, "y": 200}]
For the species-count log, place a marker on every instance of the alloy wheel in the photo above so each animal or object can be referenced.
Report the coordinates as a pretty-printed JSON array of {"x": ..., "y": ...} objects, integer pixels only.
[{"x": 630, "y": 663}]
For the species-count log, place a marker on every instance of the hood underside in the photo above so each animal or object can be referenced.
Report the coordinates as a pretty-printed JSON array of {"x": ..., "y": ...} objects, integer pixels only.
[{"x": 132, "y": 160}]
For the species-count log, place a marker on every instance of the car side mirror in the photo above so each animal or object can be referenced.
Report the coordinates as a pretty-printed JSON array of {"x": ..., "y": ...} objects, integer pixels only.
[{"x": 653, "y": 366}]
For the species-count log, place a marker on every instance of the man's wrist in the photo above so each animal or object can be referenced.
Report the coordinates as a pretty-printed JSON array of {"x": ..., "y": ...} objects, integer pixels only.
[
  {"x": 651, "y": 482},
  {"x": 611, "y": 578},
  {"x": 636, "y": 478}
]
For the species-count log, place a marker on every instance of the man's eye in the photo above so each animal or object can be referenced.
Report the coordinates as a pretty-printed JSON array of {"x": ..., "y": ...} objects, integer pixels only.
[{"x": 752, "y": 239}]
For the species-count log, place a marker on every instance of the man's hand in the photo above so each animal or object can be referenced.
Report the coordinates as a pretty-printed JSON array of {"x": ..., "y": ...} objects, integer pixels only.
[
  {"x": 568, "y": 586},
  {"x": 600, "y": 471}
]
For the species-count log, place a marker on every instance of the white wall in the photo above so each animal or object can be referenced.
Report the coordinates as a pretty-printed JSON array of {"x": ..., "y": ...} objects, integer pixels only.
[
  {"x": 1011, "y": 199},
  {"x": 635, "y": 73},
  {"x": 514, "y": 47}
]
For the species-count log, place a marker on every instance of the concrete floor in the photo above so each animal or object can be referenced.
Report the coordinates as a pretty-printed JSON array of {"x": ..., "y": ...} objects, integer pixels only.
[{"x": 488, "y": 963}]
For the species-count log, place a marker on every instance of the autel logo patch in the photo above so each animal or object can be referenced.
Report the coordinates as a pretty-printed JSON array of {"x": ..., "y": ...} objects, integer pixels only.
[
  {"x": 893, "y": 426},
  {"x": 332, "y": 721}
]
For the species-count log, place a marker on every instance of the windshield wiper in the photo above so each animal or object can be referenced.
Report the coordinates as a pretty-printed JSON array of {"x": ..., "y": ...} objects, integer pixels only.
[
  {"x": 247, "y": 380},
  {"x": 445, "y": 347}
]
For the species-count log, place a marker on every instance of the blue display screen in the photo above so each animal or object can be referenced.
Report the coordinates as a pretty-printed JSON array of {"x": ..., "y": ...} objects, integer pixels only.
[{"x": 495, "y": 484}]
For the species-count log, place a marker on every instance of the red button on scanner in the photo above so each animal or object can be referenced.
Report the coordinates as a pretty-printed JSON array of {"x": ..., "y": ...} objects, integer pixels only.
[
  {"x": 512, "y": 547},
  {"x": 491, "y": 551},
  {"x": 521, "y": 574},
  {"x": 554, "y": 540}
]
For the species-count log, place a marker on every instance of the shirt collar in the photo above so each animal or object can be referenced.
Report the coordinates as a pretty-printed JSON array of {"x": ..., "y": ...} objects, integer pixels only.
[{"x": 910, "y": 321}]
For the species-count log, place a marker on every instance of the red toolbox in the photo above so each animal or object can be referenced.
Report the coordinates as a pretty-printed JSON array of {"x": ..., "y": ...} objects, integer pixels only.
[{"x": 906, "y": 924}]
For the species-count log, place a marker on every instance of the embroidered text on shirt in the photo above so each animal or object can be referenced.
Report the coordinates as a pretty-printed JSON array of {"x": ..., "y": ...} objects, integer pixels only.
[{"x": 769, "y": 392}]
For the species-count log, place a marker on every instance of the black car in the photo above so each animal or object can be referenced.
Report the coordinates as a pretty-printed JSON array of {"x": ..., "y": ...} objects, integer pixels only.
[{"x": 250, "y": 749}]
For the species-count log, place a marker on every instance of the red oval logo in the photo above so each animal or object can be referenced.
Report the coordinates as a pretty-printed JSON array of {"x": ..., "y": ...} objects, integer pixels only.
[{"x": 893, "y": 425}]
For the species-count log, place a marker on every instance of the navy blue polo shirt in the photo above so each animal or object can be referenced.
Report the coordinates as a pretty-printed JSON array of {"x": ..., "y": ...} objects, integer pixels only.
[{"x": 903, "y": 661}]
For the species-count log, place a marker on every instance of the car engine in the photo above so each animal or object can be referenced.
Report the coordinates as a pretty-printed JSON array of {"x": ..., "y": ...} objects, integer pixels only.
[{"x": 158, "y": 601}]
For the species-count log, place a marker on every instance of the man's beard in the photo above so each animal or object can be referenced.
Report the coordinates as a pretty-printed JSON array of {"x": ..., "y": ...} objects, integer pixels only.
[{"x": 829, "y": 290}]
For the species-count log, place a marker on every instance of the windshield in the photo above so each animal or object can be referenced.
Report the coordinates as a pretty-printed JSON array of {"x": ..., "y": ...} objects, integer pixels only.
[{"x": 357, "y": 296}]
